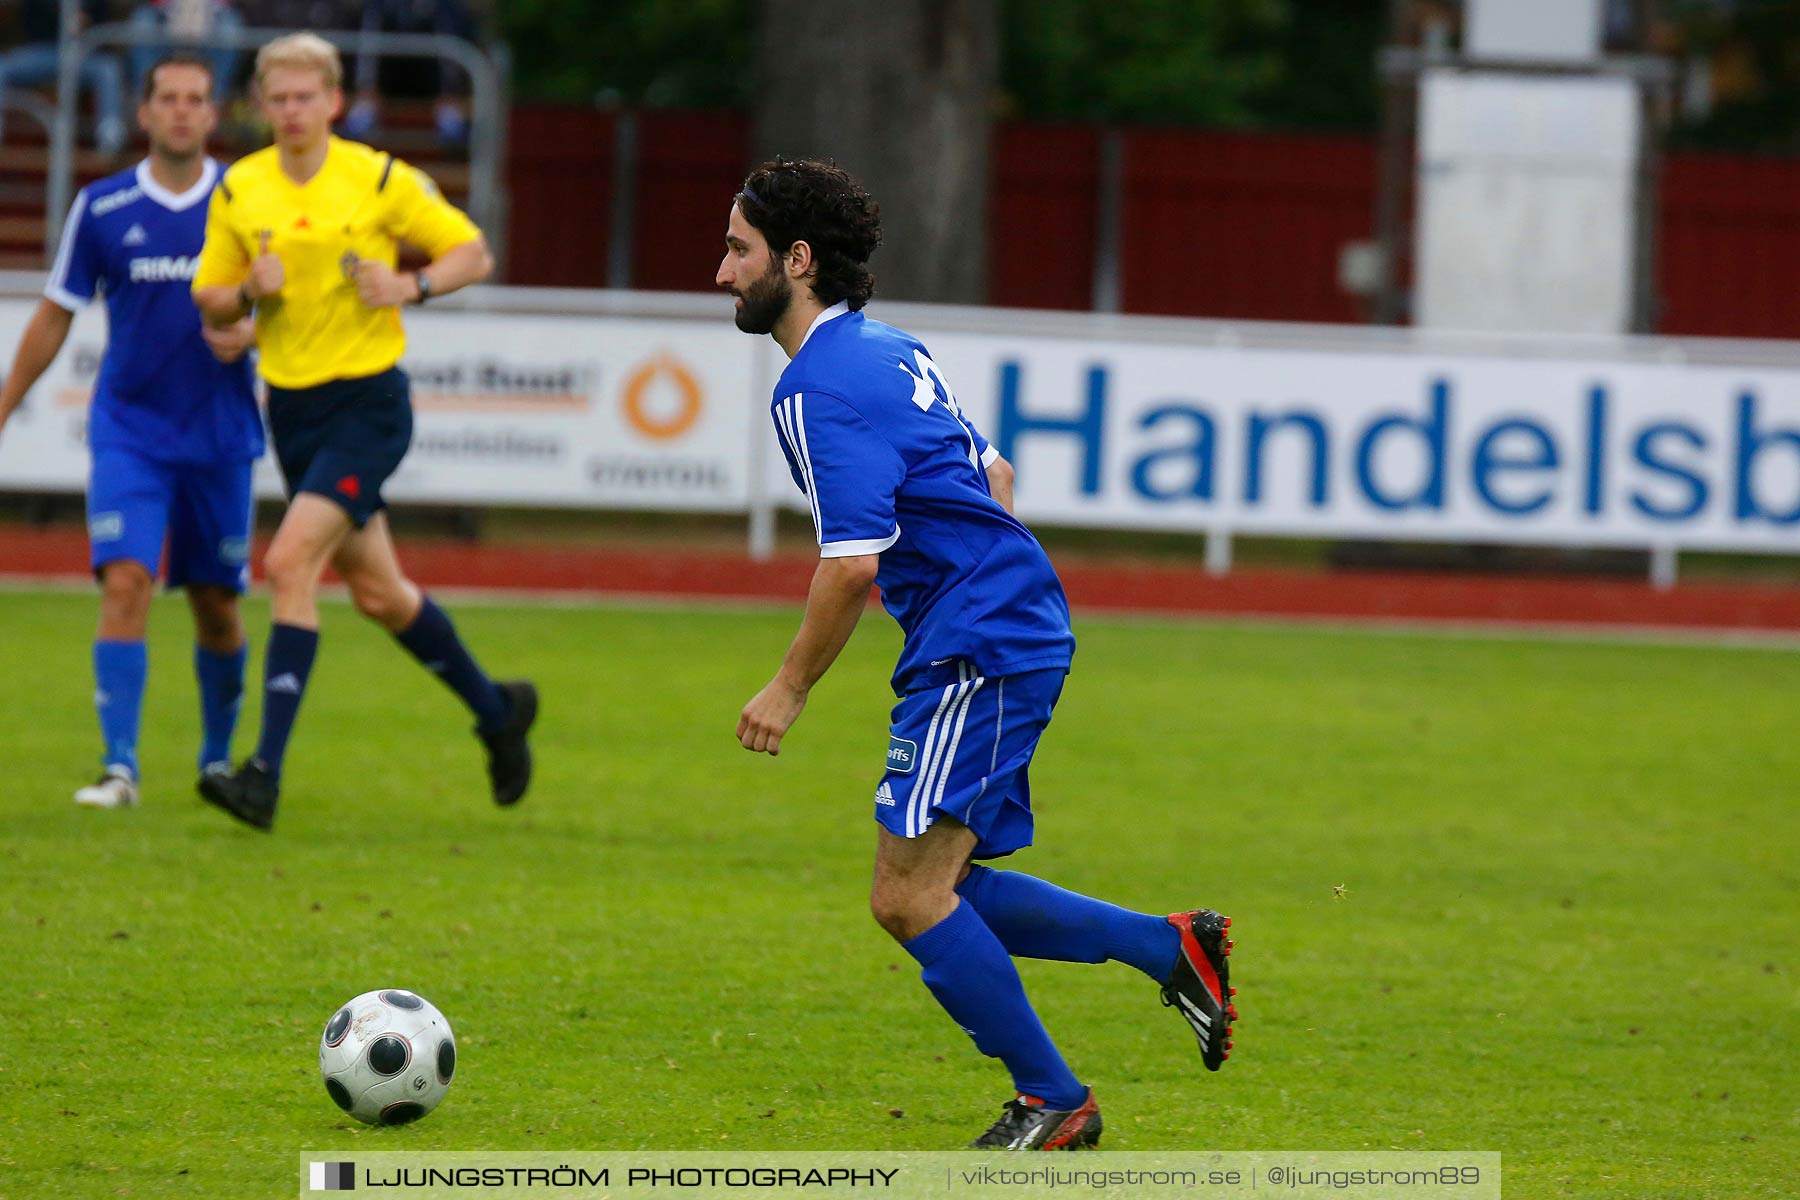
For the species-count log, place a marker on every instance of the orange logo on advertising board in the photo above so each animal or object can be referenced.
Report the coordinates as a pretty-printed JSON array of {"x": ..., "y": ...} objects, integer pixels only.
[{"x": 662, "y": 398}]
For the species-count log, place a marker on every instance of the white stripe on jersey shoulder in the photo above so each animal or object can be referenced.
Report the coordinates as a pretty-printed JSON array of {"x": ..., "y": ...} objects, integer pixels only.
[
  {"x": 798, "y": 415},
  {"x": 841, "y": 308},
  {"x": 865, "y": 546},
  {"x": 56, "y": 288},
  {"x": 178, "y": 201},
  {"x": 784, "y": 429}
]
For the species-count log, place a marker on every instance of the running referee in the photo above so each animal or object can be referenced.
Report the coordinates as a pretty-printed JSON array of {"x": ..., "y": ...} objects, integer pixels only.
[{"x": 303, "y": 234}]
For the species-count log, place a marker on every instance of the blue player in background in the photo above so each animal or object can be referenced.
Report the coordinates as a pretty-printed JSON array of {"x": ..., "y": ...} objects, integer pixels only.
[
  {"x": 906, "y": 494},
  {"x": 173, "y": 429}
]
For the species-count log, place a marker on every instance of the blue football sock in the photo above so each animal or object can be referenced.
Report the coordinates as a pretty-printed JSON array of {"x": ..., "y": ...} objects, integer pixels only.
[
  {"x": 119, "y": 672},
  {"x": 1034, "y": 919},
  {"x": 968, "y": 971},
  {"x": 221, "y": 679},
  {"x": 431, "y": 639},
  {"x": 286, "y": 664}
]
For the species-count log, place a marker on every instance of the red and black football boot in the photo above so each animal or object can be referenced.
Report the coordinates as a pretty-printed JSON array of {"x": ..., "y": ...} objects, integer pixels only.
[
  {"x": 1025, "y": 1124},
  {"x": 1200, "y": 989}
]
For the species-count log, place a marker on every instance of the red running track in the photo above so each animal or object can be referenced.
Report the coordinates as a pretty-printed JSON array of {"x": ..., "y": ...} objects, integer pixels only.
[{"x": 1352, "y": 595}]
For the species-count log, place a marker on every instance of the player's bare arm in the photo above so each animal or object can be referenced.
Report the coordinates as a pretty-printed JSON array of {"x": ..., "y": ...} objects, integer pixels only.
[
  {"x": 834, "y": 603},
  {"x": 380, "y": 286},
  {"x": 1000, "y": 482},
  {"x": 44, "y": 336}
]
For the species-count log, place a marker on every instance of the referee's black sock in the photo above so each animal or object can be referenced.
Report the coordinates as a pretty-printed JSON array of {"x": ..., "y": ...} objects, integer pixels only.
[
  {"x": 431, "y": 639},
  {"x": 286, "y": 665}
]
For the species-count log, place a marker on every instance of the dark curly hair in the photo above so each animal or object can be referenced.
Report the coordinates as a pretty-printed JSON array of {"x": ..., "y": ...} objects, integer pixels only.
[{"x": 817, "y": 203}]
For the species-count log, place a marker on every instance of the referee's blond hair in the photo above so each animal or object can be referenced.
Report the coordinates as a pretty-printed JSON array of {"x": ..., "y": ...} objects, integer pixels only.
[{"x": 307, "y": 51}]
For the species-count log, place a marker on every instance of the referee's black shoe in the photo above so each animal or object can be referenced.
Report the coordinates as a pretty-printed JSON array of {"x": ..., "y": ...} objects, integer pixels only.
[
  {"x": 508, "y": 751},
  {"x": 1200, "y": 987},
  {"x": 248, "y": 793},
  {"x": 1026, "y": 1124}
]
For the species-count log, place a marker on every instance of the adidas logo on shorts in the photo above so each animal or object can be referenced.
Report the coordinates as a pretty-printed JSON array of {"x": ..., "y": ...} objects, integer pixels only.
[{"x": 884, "y": 794}]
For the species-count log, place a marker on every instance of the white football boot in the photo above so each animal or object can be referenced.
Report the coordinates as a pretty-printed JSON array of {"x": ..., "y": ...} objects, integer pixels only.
[{"x": 115, "y": 789}]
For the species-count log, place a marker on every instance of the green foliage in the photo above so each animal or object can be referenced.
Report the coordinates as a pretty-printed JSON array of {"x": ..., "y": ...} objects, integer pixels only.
[
  {"x": 1240, "y": 63},
  {"x": 1566, "y": 932},
  {"x": 1161, "y": 61},
  {"x": 1327, "y": 80},
  {"x": 1288, "y": 63},
  {"x": 646, "y": 53},
  {"x": 1756, "y": 46}
]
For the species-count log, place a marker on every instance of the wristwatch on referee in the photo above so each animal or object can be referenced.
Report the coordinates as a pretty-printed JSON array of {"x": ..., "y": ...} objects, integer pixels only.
[{"x": 424, "y": 282}]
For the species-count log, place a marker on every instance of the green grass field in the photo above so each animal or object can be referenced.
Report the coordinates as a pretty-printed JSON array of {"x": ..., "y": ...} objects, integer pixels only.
[{"x": 1569, "y": 928}]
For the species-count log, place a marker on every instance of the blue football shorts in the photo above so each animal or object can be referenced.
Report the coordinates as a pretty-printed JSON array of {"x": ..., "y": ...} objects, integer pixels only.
[
  {"x": 965, "y": 749},
  {"x": 201, "y": 512},
  {"x": 343, "y": 439}
]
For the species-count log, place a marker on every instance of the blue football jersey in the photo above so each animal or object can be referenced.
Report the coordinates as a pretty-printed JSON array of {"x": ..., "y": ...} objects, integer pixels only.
[
  {"x": 890, "y": 465},
  {"x": 161, "y": 393}
]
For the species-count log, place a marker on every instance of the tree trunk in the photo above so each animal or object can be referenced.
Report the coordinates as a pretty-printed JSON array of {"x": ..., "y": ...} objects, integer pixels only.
[{"x": 900, "y": 94}]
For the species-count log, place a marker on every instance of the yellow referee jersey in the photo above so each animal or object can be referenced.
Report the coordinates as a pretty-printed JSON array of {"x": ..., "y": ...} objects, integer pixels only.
[{"x": 359, "y": 205}]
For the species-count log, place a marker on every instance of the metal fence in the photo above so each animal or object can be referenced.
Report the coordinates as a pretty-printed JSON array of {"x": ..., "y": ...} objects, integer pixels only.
[{"x": 487, "y": 100}]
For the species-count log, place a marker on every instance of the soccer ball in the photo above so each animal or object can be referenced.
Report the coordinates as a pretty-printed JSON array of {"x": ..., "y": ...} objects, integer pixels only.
[{"x": 387, "y": 1057}]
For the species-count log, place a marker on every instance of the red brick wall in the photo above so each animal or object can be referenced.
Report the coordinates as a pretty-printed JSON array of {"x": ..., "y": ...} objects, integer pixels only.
[{"x": 1230, "y": 225}]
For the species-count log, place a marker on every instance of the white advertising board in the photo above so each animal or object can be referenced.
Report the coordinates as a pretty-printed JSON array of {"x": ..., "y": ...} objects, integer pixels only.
[
  {"x": 508, "y": 409},
  {"x": 43, "y": 446},
  {"x": 659, "y": 403},
  {"x": 560, "y": 410},
  {"x": 1387, "y": 445}
]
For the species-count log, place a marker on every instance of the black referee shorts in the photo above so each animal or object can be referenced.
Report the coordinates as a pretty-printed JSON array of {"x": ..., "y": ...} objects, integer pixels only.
[{"x": 343, "y": 438}]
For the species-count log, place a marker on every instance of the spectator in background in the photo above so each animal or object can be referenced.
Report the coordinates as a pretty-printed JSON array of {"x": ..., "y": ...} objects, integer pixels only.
[
  {"x": 328, "y": 15},
  {"x": 191, "y": 22},
  {"x": 414, "y": 16},
  {"x": 34, "y": 63}
]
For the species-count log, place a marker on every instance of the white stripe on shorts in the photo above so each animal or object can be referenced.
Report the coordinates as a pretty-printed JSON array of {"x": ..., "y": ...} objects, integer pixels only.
[
  {"x": 999, "y": 728},
  {"x": 941, "y": 748},
  {"x": 931, "y": 746},
  {"x": 962, "y": 714}
]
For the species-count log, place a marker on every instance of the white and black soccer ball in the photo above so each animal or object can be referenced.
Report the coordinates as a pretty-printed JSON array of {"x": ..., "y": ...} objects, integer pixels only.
[{"x": 387, "y": 1057}]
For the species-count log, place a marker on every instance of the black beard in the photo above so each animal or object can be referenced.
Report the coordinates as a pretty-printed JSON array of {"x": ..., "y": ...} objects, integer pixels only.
[{"x": 765, "y": 302}]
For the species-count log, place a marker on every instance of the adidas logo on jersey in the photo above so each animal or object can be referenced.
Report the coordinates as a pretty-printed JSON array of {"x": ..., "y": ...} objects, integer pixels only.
[
  {"x": 164, "y": 268},
  {"x": 135, "y": 236},
  {"x": 287, "y": 682}
]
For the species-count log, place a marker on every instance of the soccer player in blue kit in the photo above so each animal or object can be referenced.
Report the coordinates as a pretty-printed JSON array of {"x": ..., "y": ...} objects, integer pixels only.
[
  {"x": 905, "y": 493},
  {"x": 173, "y": 429}
]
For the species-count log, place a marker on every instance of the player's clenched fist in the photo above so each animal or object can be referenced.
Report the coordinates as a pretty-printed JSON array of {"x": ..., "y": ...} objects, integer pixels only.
[
  {"x": 380, "y": 286},
  {"x": 229, "y": 342},
  {"x": 768, "y": 716},
  {"x": 267, "y": 275}
]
